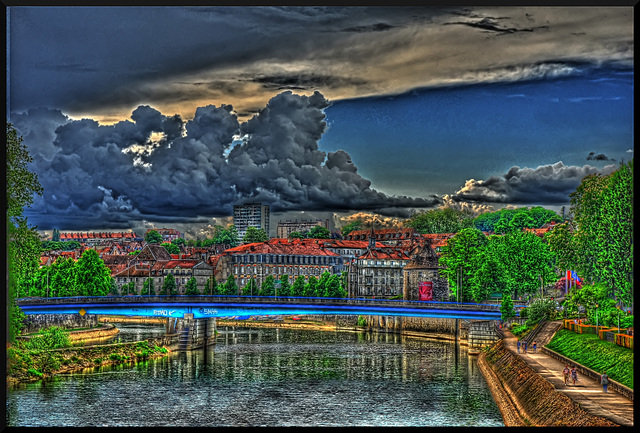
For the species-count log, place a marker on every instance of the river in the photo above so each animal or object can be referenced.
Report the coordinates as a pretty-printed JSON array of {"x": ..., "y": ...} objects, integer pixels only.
[{"x": 270, "y": 377}]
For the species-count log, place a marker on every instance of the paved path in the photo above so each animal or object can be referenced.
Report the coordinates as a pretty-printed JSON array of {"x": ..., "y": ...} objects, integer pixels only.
[{"x": 587, "y": 392}]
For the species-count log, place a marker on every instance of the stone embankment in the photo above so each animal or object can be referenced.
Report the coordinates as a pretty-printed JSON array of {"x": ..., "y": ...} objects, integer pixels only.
[{"x": 525, "y": 398}]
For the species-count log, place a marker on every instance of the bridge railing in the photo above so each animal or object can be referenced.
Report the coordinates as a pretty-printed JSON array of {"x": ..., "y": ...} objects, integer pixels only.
[{"x": 263, "y": 299}]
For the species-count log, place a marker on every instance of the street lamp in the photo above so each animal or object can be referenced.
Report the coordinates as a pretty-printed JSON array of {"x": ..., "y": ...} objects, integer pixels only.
[{"x": 596, "y": 319}]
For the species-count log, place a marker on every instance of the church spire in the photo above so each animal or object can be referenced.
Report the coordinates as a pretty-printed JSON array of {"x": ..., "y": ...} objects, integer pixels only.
[{"x": 372, "y": 237}]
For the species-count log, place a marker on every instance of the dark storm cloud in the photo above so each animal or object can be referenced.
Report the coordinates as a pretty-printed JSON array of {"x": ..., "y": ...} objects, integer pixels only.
[
  {"x": 549, "y": 184},
  {"x": 378, "y": 27},
  {"x": 491, "y": 25},
  {"x": 161, "y": 168},
  {"x": 307, "y": 81},
  {"x": 600, "y": 157}
]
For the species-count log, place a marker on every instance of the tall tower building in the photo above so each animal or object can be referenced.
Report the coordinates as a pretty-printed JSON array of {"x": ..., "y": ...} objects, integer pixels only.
[{"x": 251, "y": 215}]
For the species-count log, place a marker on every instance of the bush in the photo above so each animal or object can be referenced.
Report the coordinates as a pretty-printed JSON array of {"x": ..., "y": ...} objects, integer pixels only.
[
  {"x": 362, "y": 321},
  {"x": 542, "y": 309},
  {"x": 34, "y": 372}
]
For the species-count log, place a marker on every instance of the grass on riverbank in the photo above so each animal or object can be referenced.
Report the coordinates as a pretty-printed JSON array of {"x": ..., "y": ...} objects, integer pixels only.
[
  {"x": 596, "y": 354},
  {"x": 27, "y": 364}
]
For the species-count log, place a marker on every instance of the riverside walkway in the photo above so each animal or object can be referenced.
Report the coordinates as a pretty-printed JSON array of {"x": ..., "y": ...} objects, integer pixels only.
[{"x": 587, "y": 392}]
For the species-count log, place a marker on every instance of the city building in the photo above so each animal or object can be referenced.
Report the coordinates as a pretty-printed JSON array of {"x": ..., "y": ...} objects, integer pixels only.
[
  {"x": 277, "y": 257},
  {"x": 168, "y": 234},
  {"x": 155, "y": 262},
  {"x": 421, "y": 277},
  {"x": 389, "y": 237},
  {"x": 92, "y": 238},
  {"x": 251, "y": 215},
  {"x": 377, "y": 272},
  {"x": 285, "y": 228}
]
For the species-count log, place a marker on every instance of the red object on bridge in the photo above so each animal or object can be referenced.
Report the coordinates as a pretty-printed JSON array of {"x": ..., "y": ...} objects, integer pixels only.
[{"x": 426, "y": 291}]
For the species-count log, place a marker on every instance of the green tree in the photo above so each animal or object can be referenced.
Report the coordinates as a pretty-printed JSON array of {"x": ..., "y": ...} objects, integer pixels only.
[
  {"x": 268, "y": 286},
  {"x": 521, "y": 220},
  {"x": 23, "y": 241},
  {"x": 297, "y": 289},
  {"x": 92, "y": 276},
  {"x": 230, "y": 287},
  {"x": 251, "y": 288},
  {"x": 153, "y": 237},
  {"x": 502, "y": 226},
  {"x": 541, "y": 216},
  {"x": 311, "y": 288},
  {"x": 603, "y": 218},
  {"x": 322, "y": 284},
  {"x": 506, "y": 308},
  {"x": 55, "y": 237},
  {"x": 460, "y": 257},
  {"x": 352, "y": 226},
  {"x": 148, "y": 288},
  {"x": 179, "y": 241},
  {"x": 319, "y": 232},
  {"x": 332, "y": 287},
  {"x": 70, "y": 245},
  {"x": 171, "y": 248},
  {"x": 527, "y": 263},
  {"x": 62, "y": 277},
  {"x": 489, "y": 274},
  {"x": 212, "y": 287},
  {"x": 285, "y": 286},
  {"x": 486, "y": 222},
  {"x": 254, "y": 234},
  {"x": 442, "y": 220},
  {"x": 296, "y": 235},
  {"x": 229, "y": 236},
  {"x": 192, "y": 287},
  {"x": 169, "y": 286}
]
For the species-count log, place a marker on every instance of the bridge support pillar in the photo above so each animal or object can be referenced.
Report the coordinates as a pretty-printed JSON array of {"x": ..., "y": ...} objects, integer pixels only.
[
  {"x": 195, "y": 333},
  {"x": 481, "y": 333}
]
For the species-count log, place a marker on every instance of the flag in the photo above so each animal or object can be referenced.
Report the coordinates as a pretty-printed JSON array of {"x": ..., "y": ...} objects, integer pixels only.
[{"x": 574, "y": 275}]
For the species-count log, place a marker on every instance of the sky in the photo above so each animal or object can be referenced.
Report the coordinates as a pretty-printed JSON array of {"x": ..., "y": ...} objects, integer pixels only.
[{"x": 143, "y": 117}]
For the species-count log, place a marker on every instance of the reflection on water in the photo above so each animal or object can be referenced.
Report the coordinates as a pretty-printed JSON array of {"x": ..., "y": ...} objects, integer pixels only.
[
  {"x": 273, "y": 377},
  {"x": 135, "y": 332}
]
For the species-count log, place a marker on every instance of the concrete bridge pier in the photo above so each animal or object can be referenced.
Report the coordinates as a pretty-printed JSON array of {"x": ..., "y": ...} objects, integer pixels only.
[
  {"x": 481, "y": 333},
  {"x": 195, "y": 333}
]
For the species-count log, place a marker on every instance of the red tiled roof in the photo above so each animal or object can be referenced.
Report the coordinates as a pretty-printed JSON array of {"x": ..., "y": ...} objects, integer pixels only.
[
  {"x": 385, "y": 254},
  {"x": 277, "y": 246}
]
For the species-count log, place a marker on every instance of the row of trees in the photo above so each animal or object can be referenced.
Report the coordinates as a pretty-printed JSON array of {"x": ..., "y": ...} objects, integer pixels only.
[
  {"x": 66, "y": 277},
  {"x": 60, "y": 245},
  {"x": 598, "y": 241},
  {"x": 514, "y": 265},
  {"x": 317, "y": 232},
  {"x": 447, "y": 220},
  {"x": 328, "y": 285}
]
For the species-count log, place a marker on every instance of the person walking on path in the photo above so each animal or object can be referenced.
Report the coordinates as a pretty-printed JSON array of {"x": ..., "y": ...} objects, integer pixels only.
[
  {"x": 524, "y": 346},
  {"x": 565, "y": 374},
  {"x": 534, "y": 347},
  {"x": 604, "y": 380},
  {"x": 518, "y": 346},
  {"x": 574, "y": 375}
]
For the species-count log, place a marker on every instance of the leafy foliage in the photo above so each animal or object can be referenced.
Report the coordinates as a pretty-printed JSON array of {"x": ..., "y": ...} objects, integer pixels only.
[
  {"x": 603, "y": 230},
  {"x": 192, "y": 287},
  {"x": 541, "y": 309},
  {"x": 268, "y": 286},
  {"x": 251, "y": 288},
  {"x": 352, "y": 226},
  {"x": 442, "y": 220},
  {"x": 153, "y": 237},
  {"x": 507, "y": 309},
  {"x": 319, "y": 232},
  {"x": 171, "y": 248},
  {"x": 254, "y": 234}
]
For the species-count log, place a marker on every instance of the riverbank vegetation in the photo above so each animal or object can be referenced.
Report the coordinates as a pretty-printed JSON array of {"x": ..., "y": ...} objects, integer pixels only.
[
  {"x": 51, "y": 353},
  {"x": 596, "y": 354}
]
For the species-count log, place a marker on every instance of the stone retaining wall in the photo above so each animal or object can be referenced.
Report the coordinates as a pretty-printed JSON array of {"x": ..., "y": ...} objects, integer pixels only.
[
  {"x": 536, "y": 400},
  {"x": 36, "y": 322}
]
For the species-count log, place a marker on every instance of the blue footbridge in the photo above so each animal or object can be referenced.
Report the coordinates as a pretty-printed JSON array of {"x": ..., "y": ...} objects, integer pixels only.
[{"x": 203, "y": 307}]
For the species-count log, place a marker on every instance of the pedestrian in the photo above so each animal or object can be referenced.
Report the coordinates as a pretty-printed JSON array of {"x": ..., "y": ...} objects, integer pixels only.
[
  {"x": 518, "y": 346},
  {"x": 565, "y": 374},
  {"x": 534, "y": 347},
  {"x": 574, "y": 375},
  {"x": 524, "y": 346},
  {"x": 604, "y": 380}
]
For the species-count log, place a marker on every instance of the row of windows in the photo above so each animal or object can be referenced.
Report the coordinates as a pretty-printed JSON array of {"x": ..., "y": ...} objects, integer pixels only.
[
  {"x": 278, "y": 259},
  {"x": 250, "y": 270}
]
